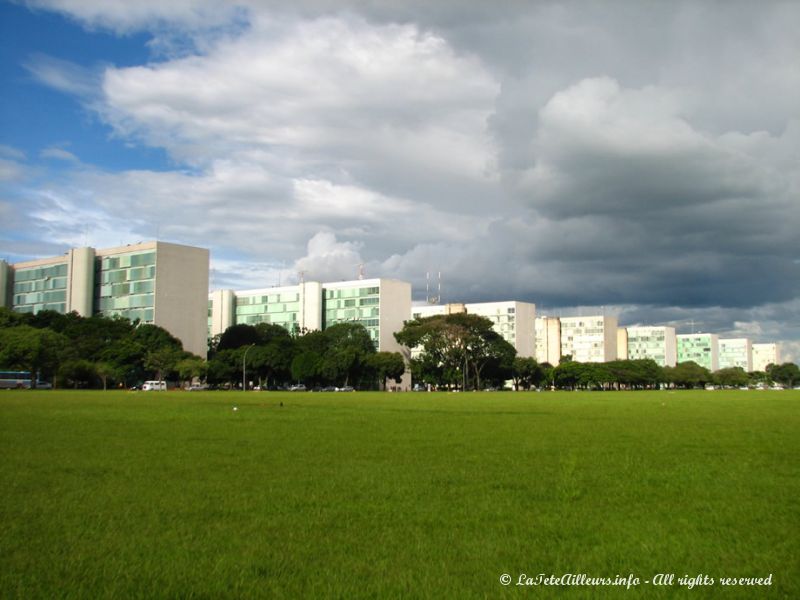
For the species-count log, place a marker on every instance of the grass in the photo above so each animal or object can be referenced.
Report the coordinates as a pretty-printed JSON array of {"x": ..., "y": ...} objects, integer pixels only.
[{"x": 175, "y": 495}]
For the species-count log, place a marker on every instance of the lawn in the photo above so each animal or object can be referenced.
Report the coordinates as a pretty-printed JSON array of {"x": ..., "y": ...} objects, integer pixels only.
[{"x": 150, "y": 495}]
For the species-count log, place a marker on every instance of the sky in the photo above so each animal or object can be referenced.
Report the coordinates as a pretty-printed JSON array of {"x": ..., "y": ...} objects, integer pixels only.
[{"x": 636, "y": 158}]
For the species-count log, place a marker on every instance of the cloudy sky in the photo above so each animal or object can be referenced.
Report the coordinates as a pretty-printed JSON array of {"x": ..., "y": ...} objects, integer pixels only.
[{"x": 641, "y": 158}]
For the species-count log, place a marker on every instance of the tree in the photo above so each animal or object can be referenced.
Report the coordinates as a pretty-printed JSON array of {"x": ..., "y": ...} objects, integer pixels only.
[
  {"x": 106, "y": 371},
  {"x": 526, "y": 373},
  {"x": 452, "y": 345},
  {"x": 237, "y": 336},
  {"x": 190, "y": 367},
  {"x": 687, "y": 374},
  {"x": 305, "y": 367},
  {"x": 387, "y": 365},
  {"x": 347, "y": 349},
  {"x": 731, "y": 377},
  {"x": 788, "y": 374},
  {"x": 39, "y": 351},
  {"x": 78, "y": 373},
  {"x": 272, "y": 361},
  {"x": 162, "y": 361}
]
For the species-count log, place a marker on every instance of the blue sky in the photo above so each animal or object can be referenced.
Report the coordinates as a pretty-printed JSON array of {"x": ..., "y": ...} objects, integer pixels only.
[
  {"x": 640, "y": 157},
  {"x": 35, "y": 117}
]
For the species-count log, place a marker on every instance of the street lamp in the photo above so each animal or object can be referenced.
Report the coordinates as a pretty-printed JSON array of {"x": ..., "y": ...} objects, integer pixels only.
[{"x": 244, "y": 368}]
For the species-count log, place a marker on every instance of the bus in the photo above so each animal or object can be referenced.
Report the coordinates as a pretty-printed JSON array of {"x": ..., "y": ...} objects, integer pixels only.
[{"x": 15, "y": 380}]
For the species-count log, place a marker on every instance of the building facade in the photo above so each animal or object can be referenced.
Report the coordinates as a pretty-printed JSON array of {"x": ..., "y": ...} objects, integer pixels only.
[
  {"x": 765, "y": 355},
  {"x": 548, "y": 340},
  {"x": 380, "y": 305},
  {"x": 657, "y": 343},
  {"x": 736, "y": 352},
  {"x": 589, "y": 339},
  {"x": 701, "y": 348},
  {"x": 155, "y": 282},
  {"x": 514, "y": 321}
]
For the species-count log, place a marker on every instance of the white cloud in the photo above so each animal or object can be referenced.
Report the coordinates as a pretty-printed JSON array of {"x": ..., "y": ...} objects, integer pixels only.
[{"x": 327, "y": 259}]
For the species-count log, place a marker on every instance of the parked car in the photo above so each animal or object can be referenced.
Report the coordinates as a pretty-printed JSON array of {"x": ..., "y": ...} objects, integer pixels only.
[
  {"x": 298, "y": 388},
  {"x": 154, "y": 386},
  {"x": 346, "y": 388}
]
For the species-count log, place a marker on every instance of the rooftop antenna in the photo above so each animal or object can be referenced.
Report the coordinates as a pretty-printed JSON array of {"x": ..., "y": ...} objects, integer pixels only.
[
  {"x": 439, "y": 298},
  {"x": 302, "y": 276},
  {"x": 361, "y": 271},
  {"x": 427, "y": 287}
]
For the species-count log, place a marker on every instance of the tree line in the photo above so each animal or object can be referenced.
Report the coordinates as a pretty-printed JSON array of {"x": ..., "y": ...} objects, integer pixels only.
[
  {"x": 69, "y": 350},
  {"x": 462, "y": 351},
  {"x": 341, "y": 355}
]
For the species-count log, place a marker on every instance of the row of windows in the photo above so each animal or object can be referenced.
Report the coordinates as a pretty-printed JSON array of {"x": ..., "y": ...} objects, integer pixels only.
[
  {"x": 348, "y": 314},
  {"x": 352, "y": 292},
  {"x": 131, "y": 274},
  {"x": 267, "y": 299},
  {"x": 123, "y": 289},
  {"x": 40, "y": 297},
  {"x": 127, "y": 260},
  {"x": 258, "y": 309},
  {"x": 40, "y": 285},
  {"x": 35, "y": 308},
  {"x": 125, "y": 302},
  {"x": 59, "y": 270}
]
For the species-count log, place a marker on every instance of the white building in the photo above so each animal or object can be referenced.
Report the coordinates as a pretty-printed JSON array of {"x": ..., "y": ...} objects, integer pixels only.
[
  {"x": 589, "y": 339},
  {"x": 380, "y": 305},
  {"x": 514, "y": 321},
  {"x": 155, "y": 282},
  {"x": 764, "y": 355},
  {"x": 657, "y": 343},
  {"x": 700, "y": 348},
  {"x": 736, "y": 352},
  {"x": 548, "y": 340}
]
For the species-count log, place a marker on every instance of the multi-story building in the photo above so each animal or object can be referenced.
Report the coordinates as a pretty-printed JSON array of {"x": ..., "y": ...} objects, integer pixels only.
[
  {"x": 736, "y": 352},
  {"x": 548, "y": 340},
  {"x": 657, "y": 343},
  {"x": 155, "y": 282},
  {"x": 589, "y": 339},
  {"x": 701, "y": 348},
  {"x": 514, "y": 321},
  {"x": 380, "y": 305},
  {"x": 765, "y": 355}
]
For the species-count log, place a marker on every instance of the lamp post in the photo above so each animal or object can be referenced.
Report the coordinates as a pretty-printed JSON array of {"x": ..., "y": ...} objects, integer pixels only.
[{"x": 244, "y": 368}]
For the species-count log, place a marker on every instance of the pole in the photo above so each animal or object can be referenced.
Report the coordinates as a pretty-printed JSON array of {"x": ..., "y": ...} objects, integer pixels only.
[{"x": 244, "y": 368}]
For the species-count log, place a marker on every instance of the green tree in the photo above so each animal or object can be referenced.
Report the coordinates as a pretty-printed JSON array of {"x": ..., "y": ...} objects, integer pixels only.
[
  {"x": 163, "y": 361},
  {"x": 306, "y": 367},
  {"x": 731, "y": 377},
  {"x": 190, "y": 367},
  {"x": 687, "y": 375},
  {"x": 526, "y": 373},
  {"x": 387, "y": 365},
  {"x": 787, "y": 374},
  {"x": 39, "y": 351},
  {"x": 78, "y": 373}
]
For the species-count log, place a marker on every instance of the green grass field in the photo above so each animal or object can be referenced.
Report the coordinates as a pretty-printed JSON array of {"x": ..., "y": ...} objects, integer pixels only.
[{"x": 175, "y": 495}]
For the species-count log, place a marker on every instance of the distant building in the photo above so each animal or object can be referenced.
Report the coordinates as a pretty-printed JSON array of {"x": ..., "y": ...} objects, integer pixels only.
[
  {"x": 656, "y": 343},
  {"x": 380, "y": 305},
  {"x": 548, "y": 340},
  {"x": 155, "y": 282},
  {"x": 701, "y": 348},
  {"x": 764, "y": 355},
  {"x": 589, "y": 339},
  {"x": 514, "y": 321},
  {"x": 736, "y": 352}
]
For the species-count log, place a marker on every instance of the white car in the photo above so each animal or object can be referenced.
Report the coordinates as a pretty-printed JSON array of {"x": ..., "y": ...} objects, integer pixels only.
[{"x": 154, "y": 386}]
